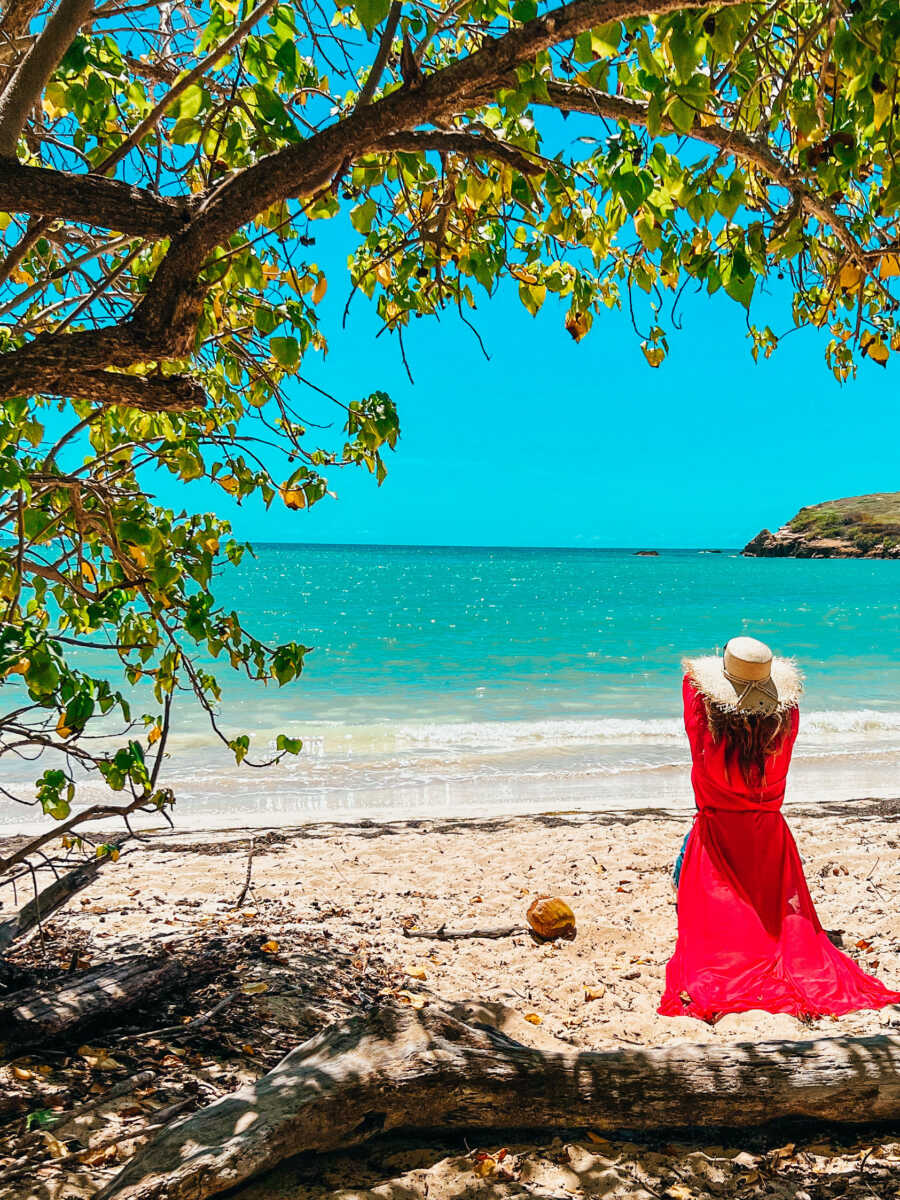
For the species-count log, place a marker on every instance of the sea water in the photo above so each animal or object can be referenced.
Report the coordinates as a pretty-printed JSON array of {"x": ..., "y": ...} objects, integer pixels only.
[{"x": 469, "y": 681}]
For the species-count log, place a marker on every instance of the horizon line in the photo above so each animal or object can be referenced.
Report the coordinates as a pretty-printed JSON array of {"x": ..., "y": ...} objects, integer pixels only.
[{"x": 638, "y": 548}]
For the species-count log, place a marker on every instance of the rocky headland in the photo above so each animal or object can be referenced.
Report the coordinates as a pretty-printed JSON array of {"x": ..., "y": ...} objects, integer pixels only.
[{"x": 854, "y": 527}]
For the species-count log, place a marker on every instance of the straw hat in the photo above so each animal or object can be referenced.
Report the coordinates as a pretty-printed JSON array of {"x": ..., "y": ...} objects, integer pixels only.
[{"x": 748, "y": 678}]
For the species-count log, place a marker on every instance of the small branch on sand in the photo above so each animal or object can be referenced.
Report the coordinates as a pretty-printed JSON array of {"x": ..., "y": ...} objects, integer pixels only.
[
  {"x": 195, "y": 1023},
  {"x": 443, "y": 934},
  {"x": 246, "y": 888}
]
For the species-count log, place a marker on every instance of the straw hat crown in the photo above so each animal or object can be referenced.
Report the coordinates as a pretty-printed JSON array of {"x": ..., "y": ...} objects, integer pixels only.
[{"x": 748, "y": 678}]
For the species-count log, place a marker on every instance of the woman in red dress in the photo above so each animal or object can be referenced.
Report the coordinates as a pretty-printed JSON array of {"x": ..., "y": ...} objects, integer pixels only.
[{"x": 748, "y": 934}]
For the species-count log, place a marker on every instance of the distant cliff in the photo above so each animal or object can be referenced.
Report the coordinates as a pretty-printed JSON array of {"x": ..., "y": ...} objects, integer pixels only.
[{"x": 855, "y": 527}]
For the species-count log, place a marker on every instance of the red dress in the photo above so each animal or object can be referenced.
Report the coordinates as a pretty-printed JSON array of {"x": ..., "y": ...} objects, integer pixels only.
[{"x": 748, "y": 934}]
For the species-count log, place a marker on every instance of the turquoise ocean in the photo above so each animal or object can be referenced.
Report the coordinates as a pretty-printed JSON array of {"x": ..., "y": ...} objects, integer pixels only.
[{"x": 470, "y": 681}]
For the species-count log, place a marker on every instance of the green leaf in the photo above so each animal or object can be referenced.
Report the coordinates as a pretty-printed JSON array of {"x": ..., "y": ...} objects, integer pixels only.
[
  {"x": 680, "y": 114},
  {"x": 286, "y": 351},
  {"x": 188, "y": 103},
  {"x": 524, "y": 10},
  {"x": 363, "y": 215},
  {"x": 288, "y": 745},
  {"x": 371, "y": 12}
]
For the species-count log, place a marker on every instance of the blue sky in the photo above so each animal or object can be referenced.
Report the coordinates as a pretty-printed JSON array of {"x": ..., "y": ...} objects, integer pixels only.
[{"x": 556, "y": 444}]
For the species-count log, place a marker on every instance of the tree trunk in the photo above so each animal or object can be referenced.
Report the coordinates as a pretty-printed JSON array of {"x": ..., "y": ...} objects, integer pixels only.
[{"x": 398, "y": 1069}]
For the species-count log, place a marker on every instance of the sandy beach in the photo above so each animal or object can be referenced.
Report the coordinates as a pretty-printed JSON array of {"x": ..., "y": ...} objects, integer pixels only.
[
  {"x": 364, "y": 884},
  {"x": 325, "y": 924}
]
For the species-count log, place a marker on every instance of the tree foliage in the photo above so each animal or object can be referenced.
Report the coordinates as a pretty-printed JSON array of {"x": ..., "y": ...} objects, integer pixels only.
[{"x": 164, "y": 170}]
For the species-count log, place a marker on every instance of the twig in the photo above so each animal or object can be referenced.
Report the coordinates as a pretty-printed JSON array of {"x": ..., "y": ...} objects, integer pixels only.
[
  {"x": 191, "y": 1025},
  {"x": 443, "y": 934},
  {"x": 246, "y": 888}
]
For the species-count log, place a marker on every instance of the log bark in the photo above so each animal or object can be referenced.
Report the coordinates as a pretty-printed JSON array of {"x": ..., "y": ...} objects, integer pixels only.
[
  {"x": 38, "y": 1014},
  {"x": 105, "y": 992},
  {"x": 398, "y": 1069}
]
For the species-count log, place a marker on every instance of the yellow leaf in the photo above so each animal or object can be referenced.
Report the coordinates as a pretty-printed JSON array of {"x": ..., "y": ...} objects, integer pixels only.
[
  {"x": 578, "y": 323},
  {"x": 88, "y": 572},
  {"x": 293, "y": 497},
  {"x": 98, "y": 1059},
  {"x": 154, "y": 735},
  {"x": 229, "y": 483},
  {"x": 320, "y": 289},
  {"x": 413, "y": 999},
  {"x": 678, "y": 1192},
  {"x": 138, "y": 555},
  {"x": 653, "y": 354},
  {"x": 534, "y": 1018},
  {"x": 889, "y": 266},
  {"x": 21, "y": 1073},
  {"x": 850, "y": 277},
  {"x": 383, "y": 273},
  {"x": 875, "y": 348},
  {"x": 55, "y": 1148},
  {"x": 247, "y": 1048},
  {"x": 211, "y": 544},
  {"x": 485, "y": 1166},
  {"x": 270, "y": 947},
  {"x": 62, "y": 728},
  {"x": 415, "y": 972},
  {"x": 254, "y": 989}
]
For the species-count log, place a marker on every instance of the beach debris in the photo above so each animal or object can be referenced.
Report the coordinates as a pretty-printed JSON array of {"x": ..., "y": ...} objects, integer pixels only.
[
  {"x": 597, "y": 992},
  {"x": 534, "y": 1018},
  {"x": 416, "y": 972},
  {"x": 443, "y": 934},
  {"x": 413, "y": 999},
  {"x": 551, "y": 918}
]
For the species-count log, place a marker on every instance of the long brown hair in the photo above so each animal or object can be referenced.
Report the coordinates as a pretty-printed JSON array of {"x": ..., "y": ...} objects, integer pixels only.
[{"x": 751, "y": 738}]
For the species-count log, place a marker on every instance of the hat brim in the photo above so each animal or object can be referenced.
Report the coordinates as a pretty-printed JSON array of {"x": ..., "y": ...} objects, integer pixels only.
[{"x": 778, "y": 693}]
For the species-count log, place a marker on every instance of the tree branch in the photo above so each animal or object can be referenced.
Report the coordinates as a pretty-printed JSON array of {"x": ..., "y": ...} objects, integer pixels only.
[
  {"x": 154, "y": 393},
  {"x": 384, "y": 49},
  {"x": 30, "y": 78},
  {"x": 90, "y": 199},
  {"x": 468, "y": 144},
  {"x": 568, "y": 98},
  {"x": 153, "y": 117},
  {"x": 164, "y": 324}
]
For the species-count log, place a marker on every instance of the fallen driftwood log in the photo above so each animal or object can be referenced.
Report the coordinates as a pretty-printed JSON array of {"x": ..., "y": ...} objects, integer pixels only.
[
  {"x": 34, "y": 1015},
  {"x": 51, "y": 898},
  {"x": 401, "y": 1069}
]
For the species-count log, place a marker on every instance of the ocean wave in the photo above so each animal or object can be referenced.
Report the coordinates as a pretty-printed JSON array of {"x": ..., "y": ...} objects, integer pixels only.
[{"x": 396, "y": 737}]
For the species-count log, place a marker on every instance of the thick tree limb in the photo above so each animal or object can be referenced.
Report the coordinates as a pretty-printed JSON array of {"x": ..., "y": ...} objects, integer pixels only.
[
  {"x": 30, "y": 77},
  {"x": 401, "y": 1070},
  {"x": 164, "y": 324},
  {"x": 469, "y": 144},
  {"x": 90, "y": 199},
  {"x": 154, "y": 393}
]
